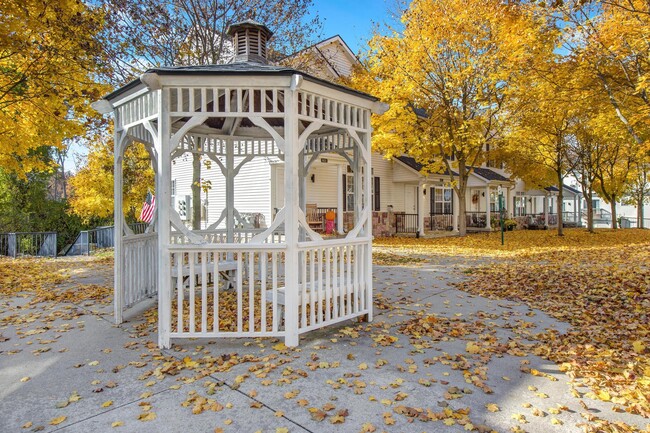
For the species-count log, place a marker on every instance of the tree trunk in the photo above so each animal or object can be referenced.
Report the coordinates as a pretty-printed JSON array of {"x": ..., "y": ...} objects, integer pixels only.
[
  {"x": 560, "y": 202},
  {"x": 613, "y": 208},
  {"x": 590, "y": 211},
  {"x": 461, "y": 190},
  {"x": 196, "y": 191},
  {"x": 639, "y": 211}
]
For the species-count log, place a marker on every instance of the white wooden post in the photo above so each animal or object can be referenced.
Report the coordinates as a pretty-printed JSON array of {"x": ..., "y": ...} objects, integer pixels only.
[
  {"x": 230, "y": 192},
  {"x": 488, "y": 225},
  {"x": 545, "y": 202},
  {"x": 291, "y": 199},
  {"x": 118, "y": 281},
  {"x": 356, "y": 168},
  {"x": 575, "y": 210},
  {"x": 164, "y": 229},
  {"x": 579, "y": 220},
  {"x": 339, "y": 198},
  {"x": 368, "y": 258},
  {"x": 456, "y": 209},
  {"x": 421, "y": 204}
]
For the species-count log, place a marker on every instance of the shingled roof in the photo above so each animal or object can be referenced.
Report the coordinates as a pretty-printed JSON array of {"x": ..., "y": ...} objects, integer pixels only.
[
  {"x": 240, "y": 68},
  {"x": 490, "y": 175},
  {"x": 412, "y": 163}
]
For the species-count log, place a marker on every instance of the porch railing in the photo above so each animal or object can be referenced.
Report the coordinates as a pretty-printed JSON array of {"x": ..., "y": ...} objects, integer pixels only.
[
  {"x": 406, "y": 222},
  {"x": 42, "y": 244},
  {"x": 441, "y": 221},
  {"x": 476, "y": 219}
]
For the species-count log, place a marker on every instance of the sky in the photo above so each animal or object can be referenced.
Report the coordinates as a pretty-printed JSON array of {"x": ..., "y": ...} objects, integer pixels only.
[{"x": 353, "y": 20}]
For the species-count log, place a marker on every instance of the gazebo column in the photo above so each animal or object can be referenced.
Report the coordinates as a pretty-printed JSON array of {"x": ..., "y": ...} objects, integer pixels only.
[
  {"x": 456, "y": 209},
  {"x": 339, "y": 198},
  {"x": 163, "y": 188},
  {"x": 230, "y": 191},
  {"x": 488, "y": 225},
  {"x": 118, "y": 186},
  {"x": 291, "y": 204},
  {"x": 421, "y": 203}
]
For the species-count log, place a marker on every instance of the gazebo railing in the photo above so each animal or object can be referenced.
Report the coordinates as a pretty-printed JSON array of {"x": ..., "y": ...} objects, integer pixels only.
[
  {"x": 226, "y": 290},
  {"x": 139, "y": 268},
  {"x": 333, "y": 282},
  {"x": 220, "y": 236}
]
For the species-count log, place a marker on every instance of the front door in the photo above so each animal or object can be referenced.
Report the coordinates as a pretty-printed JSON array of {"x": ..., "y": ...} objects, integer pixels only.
[{"x": 410, "y": 199}]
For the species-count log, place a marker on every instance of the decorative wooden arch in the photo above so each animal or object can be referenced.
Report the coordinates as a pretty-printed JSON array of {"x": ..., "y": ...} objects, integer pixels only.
[{"x": 281, "y": 281}]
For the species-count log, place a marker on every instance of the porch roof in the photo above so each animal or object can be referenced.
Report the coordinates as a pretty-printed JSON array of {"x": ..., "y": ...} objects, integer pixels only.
[
  {"x": 490, "y": 175},
  {"x": 412, "y": 163},
  {"x": 568, "y": 189}
]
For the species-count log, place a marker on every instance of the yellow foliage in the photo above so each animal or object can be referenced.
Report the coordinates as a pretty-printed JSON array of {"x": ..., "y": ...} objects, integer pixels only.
[
  {"x": 47, "y": 70},
  {"x": 93, "y": 184}
]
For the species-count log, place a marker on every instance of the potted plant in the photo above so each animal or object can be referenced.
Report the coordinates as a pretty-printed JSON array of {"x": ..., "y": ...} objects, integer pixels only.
[{"x": 509, "y": 224}]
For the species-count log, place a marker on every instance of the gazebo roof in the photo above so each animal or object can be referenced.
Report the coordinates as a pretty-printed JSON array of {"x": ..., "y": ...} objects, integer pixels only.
[{"x": 234, "y": 69}]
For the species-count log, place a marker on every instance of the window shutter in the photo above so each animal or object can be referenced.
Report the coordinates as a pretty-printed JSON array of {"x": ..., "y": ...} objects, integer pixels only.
[
  {"x": 344, "y": 192},
  {"x": 377, "y": 194}
]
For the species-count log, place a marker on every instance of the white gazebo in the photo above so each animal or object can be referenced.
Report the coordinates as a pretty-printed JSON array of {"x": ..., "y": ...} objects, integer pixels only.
[{"x": 230, "y": 281}]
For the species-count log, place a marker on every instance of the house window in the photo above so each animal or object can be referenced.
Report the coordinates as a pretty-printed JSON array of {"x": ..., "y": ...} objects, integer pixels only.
[
  {"x": 441, "y": 201},
  {"x": 494, "y": 202},
  {"x": 520, "y": 206},
  {"x": 348, "y": 190}
]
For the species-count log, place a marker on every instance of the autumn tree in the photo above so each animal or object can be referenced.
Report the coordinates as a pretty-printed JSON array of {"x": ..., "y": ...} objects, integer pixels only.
[
  {"x": 609, "y": 39},
  {"x": 144, "y": 34},
  {"x": 638, "y": 189},
  {"x": 447, "y": 78},
  {"x": 47, "y": 78},
  {"x": 93, "y": 185}
]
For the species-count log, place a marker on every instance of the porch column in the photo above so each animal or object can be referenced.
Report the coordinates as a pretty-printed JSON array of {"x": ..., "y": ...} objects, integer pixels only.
[
  {"x": 421, "y": 203},
  {"x": 545, "y": 202},
  {"x": 575, "y": 210},
  {"x": 456, "y": 209},
  {"x": 339, "y": 198},
  {"x": 579, "y": 212},
  {"x": 487, "y": 208}
]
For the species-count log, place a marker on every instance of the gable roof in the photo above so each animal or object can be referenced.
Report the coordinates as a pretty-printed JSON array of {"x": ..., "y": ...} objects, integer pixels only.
[
  {"x": 490, "y": 175},
  {"x": 412, "y": 163}
]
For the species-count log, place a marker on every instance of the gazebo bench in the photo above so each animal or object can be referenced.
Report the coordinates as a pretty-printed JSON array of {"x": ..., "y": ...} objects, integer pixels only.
[{"x": 227, "y": 269}]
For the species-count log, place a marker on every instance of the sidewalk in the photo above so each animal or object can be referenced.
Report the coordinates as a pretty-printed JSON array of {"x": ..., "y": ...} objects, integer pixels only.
[{"x": 65, "y": 367}]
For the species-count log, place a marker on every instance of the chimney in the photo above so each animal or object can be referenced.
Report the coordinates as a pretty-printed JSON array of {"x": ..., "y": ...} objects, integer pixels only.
[{"x": 249, "y": 41}]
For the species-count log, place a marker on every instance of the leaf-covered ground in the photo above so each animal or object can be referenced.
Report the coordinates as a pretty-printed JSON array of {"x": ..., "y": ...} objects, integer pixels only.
[
  {"x": 435, "y": 358},
  {"x": 599, "y": 283}
]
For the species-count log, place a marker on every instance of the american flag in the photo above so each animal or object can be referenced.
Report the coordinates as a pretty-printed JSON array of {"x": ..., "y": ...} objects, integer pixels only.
[{"x": 148, "y": 207}]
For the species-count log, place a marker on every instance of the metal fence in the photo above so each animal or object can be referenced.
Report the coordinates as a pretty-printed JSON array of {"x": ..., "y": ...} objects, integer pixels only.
[
  {"x": 42, "y": 244},
  {"x": 101, "y": 237},
  {"x": 406, "y": 222},
  {"x": 476, "y": 219},
  {"x": 441, "y": 221}
]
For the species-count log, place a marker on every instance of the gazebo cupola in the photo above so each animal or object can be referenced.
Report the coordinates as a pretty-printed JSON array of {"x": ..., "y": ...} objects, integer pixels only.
[
  {"x": 229, "y": 278},
  {"x": 249, "y": 40}
]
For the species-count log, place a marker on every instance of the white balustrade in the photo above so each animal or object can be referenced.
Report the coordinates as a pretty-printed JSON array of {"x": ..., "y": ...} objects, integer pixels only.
[{"x": 139, "y": 267}]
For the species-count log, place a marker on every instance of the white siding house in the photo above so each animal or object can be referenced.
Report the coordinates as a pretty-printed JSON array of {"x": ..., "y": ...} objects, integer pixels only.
[{"x": 403, "y": 198}]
